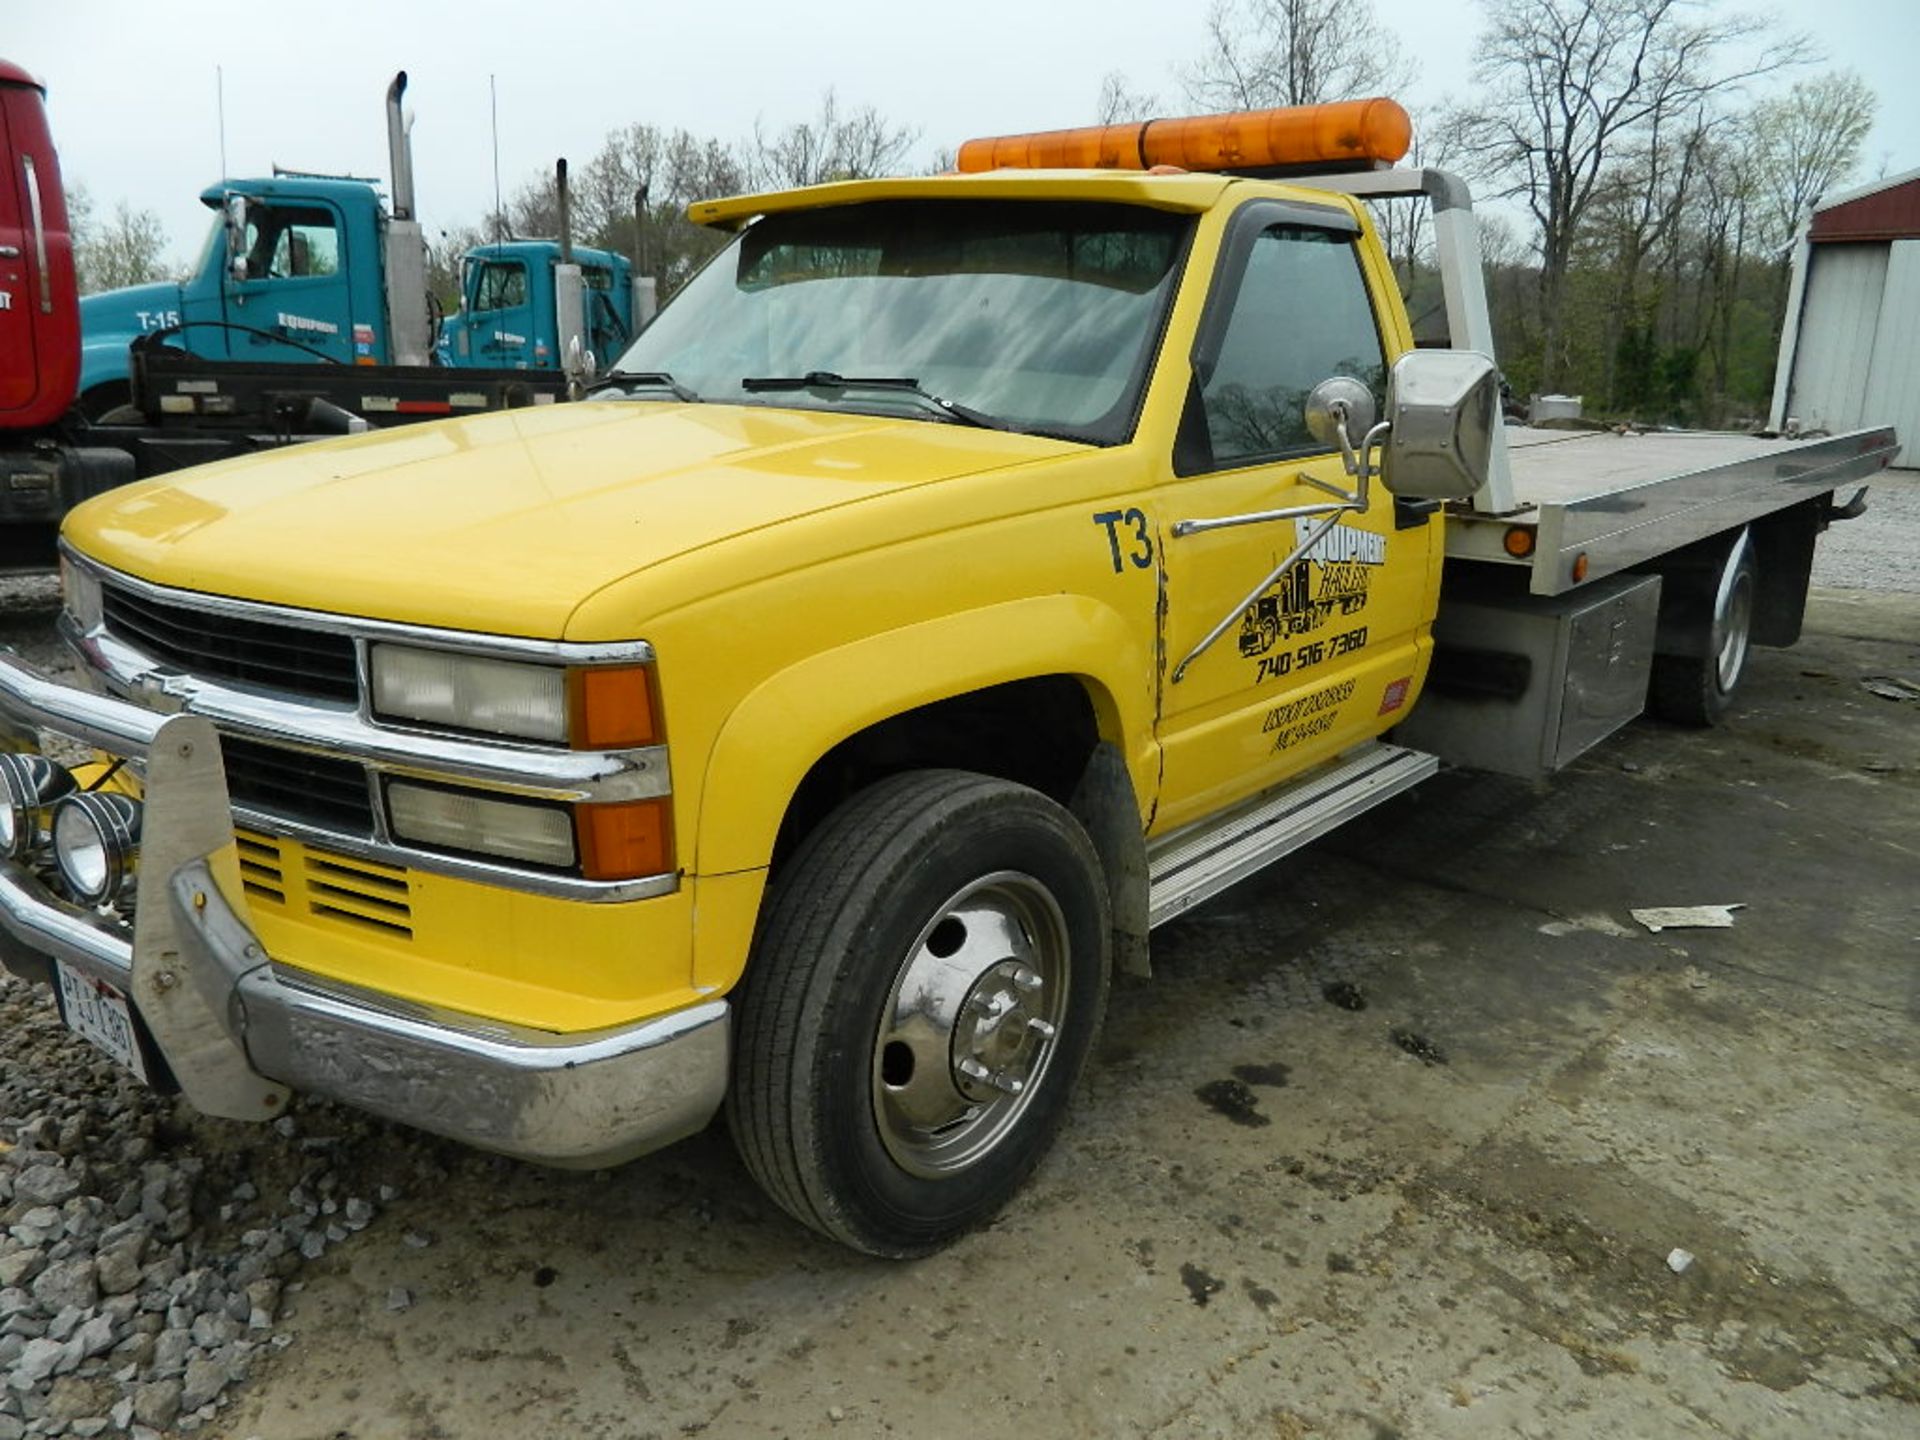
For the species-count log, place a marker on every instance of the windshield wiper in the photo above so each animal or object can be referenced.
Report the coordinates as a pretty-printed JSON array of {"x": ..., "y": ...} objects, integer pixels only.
[
  {"x": 904, "y": 384},
  {"x": 647, "y": 379}
]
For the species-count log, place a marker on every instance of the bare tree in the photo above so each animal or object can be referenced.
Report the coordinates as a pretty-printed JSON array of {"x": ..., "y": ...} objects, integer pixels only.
[
  {"x": 1569, "y": 83},
  {"x": 444, "y": 258},
  {"x": 1643, "y": 197},
  {"x": 1804, "y": 143},
  {"x": 127, "y": 250},
  {"x": 1293, "y": 52},
  {"x": 1121, "y": 104},
  {"x": 835, "y": 145}
]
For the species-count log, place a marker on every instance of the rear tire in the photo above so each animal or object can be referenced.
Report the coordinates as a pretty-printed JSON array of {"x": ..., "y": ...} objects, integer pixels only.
[
  {"x": 925, "y": 988},
  {"x": 1697, "y": 690},
  {"x": 109, "y": 403}
]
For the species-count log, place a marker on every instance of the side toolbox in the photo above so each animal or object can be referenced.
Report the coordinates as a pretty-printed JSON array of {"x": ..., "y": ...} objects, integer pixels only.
[{"x": 1523, "y": 684}]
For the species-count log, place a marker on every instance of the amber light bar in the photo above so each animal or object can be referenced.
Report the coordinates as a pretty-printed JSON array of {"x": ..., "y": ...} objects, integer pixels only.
[{"x": 1344, "y": 133}]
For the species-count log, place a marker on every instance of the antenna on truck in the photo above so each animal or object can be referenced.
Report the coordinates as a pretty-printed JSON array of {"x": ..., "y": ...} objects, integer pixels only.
[
  {"x": 493, "y": 102},
  {"x": 220, "y": 108}
]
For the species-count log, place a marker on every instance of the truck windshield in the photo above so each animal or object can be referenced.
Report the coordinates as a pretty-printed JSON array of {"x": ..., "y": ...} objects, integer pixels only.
[{"x": 1039, "y": 314}]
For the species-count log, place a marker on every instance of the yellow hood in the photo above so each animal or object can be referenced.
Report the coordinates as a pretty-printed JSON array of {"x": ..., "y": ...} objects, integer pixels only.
[{"x": 504, "y": 523}]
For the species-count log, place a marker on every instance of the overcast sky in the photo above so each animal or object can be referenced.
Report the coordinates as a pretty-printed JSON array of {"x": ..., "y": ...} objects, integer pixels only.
[{"x": 133, "y": 97}]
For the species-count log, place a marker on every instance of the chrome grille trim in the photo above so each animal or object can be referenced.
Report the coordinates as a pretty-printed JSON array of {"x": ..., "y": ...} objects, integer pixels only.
[
  {"x": 243, "y": 650},
  {"x": 537, "y": 882},
  {"x": 338, "y": 730},
  {"x": 505, "y": 647},
  {"x": 341, "y": 731}
]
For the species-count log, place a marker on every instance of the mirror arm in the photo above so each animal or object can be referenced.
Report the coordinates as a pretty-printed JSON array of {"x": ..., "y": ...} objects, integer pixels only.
[
  {"x": 1313, "y": 538},
  {"x": 1358, "y": 465},
  {"x": 1262, "y": 517}
]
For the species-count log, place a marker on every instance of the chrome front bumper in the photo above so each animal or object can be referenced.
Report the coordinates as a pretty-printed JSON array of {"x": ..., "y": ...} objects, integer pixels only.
[{"x": 240, "y": 1031}]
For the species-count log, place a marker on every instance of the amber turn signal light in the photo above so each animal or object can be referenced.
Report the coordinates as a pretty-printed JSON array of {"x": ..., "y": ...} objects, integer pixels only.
[
  {"x": 626, "y": 840},
  {"x": 1518, "y": 541},
  {"x": 613, "y": 708},
  {"x": 1345, "y": 132}
]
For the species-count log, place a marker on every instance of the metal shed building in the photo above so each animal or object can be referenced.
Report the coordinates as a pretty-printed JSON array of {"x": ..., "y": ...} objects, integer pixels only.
[{"x": 1850, "y": 353}]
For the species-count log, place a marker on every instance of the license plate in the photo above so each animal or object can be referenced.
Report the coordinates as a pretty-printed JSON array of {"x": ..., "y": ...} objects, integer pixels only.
[{"x": 100, "y": 1013}]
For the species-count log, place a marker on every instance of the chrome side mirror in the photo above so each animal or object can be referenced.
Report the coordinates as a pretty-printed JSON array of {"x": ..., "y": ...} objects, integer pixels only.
[
  {"x": 1336, "y": 398},
  {"x": 580, "y": 368},
  {"x": 236, "y": 217},
  {"x": 1441, "y": 406}
]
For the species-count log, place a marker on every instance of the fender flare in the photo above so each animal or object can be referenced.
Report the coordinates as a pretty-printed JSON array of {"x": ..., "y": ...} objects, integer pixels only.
[
  {"x": 782, "y": 727},
  {"x": 103, "y": 362}
]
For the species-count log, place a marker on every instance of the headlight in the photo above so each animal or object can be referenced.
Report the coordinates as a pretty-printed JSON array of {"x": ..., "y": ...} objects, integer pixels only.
[
  {"x": 96, "y": 842},
  {"x": 460, "y": 820},
  {"x": 599, "y": 707},
  {"x": 468, "y": 692},
  {"x": 30, "y": 785},
  {"x": 80, "y": 593}
]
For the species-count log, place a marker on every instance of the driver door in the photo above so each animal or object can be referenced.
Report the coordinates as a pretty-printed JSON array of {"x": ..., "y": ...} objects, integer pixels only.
[
  {"x": 1324, "y": 654},
  {"x": 294, "y": 302}
]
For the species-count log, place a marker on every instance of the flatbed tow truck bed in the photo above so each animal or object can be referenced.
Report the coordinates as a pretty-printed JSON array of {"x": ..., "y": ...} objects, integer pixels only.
[{"x": 1624, "y": 499}]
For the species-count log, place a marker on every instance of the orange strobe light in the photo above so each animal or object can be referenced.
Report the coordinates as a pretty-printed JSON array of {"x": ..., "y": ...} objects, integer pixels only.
[{"x": 1344, "y": 133}]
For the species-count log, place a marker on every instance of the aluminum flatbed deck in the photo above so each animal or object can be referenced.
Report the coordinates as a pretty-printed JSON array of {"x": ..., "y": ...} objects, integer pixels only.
[{"x": 1620, "y": 500}]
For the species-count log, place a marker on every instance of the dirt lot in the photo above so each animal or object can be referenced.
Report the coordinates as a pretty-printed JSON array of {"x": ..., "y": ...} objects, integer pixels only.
[{"x": 1397, "y": 1143}]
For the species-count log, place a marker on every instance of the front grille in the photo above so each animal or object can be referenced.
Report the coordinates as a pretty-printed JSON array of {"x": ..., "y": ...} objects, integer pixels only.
[
  {"x": 261, "y": 873},
  {"x": 364, "y": 895},
  {"x": 298, "y": 786},
  {"x": 357, "y": 892},
  {"x": 227, "y": 647}
]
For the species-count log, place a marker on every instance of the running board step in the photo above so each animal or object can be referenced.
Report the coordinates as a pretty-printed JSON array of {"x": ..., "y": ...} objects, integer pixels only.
[{"x": 1199, "y": 861}]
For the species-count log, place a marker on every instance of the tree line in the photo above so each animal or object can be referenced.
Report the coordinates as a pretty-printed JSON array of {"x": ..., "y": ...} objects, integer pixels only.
[
  {"x": 1642, "y": 167},
  {"x": 1657, "y": 158},
  {"x": 632, "y": 195}
]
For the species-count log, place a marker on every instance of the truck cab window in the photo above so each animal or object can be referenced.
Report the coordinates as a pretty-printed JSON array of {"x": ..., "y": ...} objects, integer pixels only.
[
  {"x": 1302, "y": 314},
  {"x": 501, "y": 286},
  {"x": 285, "y": 243},
  {"x": 1043, "y": 315}
]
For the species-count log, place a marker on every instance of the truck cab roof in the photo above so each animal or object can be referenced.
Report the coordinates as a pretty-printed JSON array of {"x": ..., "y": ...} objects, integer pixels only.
[
  {"x": 540, "y": 252},
  {"x": 1181, "y": 191},
  {"x": 305, "y": 188}
]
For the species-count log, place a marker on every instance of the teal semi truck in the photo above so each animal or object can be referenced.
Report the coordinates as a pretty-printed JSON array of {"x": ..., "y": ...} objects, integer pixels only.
[
  {"x": 307, "y": 316},
  {"x": 510, "y": 298},
  {"x": 305, "y": 269}
]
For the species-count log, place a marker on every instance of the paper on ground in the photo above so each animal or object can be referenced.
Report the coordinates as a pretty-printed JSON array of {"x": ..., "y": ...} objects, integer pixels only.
[{"x": 1688, "y": 917}]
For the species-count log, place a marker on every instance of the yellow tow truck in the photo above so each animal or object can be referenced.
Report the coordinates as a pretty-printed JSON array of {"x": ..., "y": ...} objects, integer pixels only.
[{"x": 961, "y": 576}]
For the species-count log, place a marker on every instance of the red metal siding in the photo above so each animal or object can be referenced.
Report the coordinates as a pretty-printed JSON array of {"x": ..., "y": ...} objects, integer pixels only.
[{"x": 1890, "y": 214}]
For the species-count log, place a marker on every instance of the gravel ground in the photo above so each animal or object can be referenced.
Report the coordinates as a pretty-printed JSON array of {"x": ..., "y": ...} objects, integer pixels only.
[
  {"x": 1881, "y": 550},
  {"x": 146, "y": 1254}
]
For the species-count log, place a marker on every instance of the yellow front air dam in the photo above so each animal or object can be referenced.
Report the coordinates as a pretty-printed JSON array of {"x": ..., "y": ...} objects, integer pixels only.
[{"x": 537, "y": 961}]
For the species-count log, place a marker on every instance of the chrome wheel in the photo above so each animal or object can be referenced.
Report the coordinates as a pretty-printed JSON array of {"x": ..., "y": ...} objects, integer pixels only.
[
  {"x": 969, "y": 1028},
  {"x": 1732, "y": 623},
  {"x": 1708, "y": 604}
]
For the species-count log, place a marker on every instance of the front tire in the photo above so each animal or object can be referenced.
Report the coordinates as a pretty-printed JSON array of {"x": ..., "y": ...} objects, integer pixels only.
[{"x": 924, "y": 991}]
